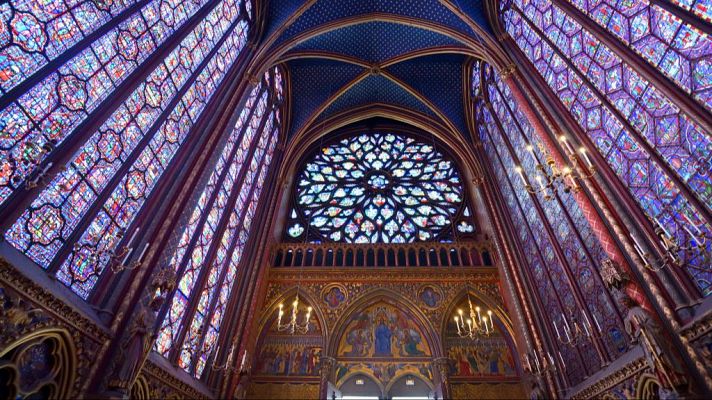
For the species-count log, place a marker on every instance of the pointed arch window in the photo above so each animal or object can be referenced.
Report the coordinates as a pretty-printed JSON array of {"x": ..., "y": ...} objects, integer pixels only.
[
  {"x": 379, "y": 187},
  {"x": 183, "y": 50},
  {"x": 660, "y": 153},
  {"x": 211, "y": 242},
  {"x": 560, "y": 246}
]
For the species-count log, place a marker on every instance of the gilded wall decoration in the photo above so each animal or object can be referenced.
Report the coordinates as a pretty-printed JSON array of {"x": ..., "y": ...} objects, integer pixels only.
[
  {"x": 283, "y": 391},
  {"x": 382, "y": 330},
  {"x": 410, "y": 284},
  {"x": 41, "y": 364},
  {"x": 164, "y": 385},
  {"x": 384, "y": 372},
  {"x": 29, "y": 311},
  {"x": 488, "y": 391},
  {"x": 289, "y": 357}
]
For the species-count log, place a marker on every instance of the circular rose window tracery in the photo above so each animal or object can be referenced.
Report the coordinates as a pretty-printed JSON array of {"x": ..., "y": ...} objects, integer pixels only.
[{"x": 378, "y": 188}]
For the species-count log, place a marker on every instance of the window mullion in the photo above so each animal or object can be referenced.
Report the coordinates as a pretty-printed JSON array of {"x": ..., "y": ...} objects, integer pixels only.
[
  {"x": 212, "y": 249},
  {"x": 252, "y": 189},
  {"x": 687, "y": 193},
  {"x": 100, "y": 201}
]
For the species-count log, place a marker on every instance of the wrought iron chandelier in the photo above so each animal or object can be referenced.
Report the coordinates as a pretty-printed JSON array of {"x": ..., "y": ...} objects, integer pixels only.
[
  {"x": 293, "y": 326},
  {"x": 473, "y": 325},
  {"x": 549, "y": 176}
]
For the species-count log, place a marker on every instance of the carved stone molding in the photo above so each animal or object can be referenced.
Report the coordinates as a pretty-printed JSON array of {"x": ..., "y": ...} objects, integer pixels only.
[
  {"x": 631, "y": 369},
  {"x": 40, "y": 296},
  {"x": 28, "y": 307},
  {"x": 164, "y": 384}
]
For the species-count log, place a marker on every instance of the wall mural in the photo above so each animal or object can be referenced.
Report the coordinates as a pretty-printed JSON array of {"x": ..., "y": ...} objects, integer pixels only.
[
  {"x": 490, "y": 358},
  {"x": 487, "y": 358},
  {"x": 293, "y": 356},
  {"x": 283, "y": 355},
  {"x": 382, "y": 330}
]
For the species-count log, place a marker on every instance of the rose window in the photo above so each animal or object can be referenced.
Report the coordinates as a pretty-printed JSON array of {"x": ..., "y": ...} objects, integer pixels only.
[{"x": 379, "y": 188}]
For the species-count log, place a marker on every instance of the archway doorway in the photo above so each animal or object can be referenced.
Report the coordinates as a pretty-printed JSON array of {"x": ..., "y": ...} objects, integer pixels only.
[{"x": 384, "y": 350}]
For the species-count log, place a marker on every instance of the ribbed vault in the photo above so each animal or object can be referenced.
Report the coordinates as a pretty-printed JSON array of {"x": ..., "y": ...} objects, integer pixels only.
[{"x": 343, "y": 56}]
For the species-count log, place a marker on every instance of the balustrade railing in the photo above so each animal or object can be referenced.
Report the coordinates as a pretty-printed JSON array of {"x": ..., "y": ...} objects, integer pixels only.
[{"x": 462, "y": 254}]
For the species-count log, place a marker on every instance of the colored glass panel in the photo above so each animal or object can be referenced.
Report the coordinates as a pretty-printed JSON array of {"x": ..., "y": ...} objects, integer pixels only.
[
  {"x": 378, "y": 187},
  {"x": 48, "y": 113},
  {"x": 126, "y": 137},
  {"x": 579, "y": 80},
  {"x": 677, "y": 49},
  {"x": 211, "y": 209},
  {"x": 581, "y": 249},
  {"x": 546, "y": 269}
]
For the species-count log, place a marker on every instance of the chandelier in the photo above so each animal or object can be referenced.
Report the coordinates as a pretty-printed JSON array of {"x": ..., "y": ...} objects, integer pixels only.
[
  {"x": 474, "y": 325},
  {"x": 671, "y": 248},
  {"x": 549, "y": 176},
  {"x": 579, "y": 333},
  {"x": 293, "y": 326}
]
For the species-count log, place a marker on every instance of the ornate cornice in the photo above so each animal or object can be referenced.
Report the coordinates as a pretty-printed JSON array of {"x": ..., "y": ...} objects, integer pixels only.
[
  {"x": 42, "y": 297},
  {"x": 185, "y": 390},
  {"x": 631, "y": 369},
  {"x": 698, "y": 329}
]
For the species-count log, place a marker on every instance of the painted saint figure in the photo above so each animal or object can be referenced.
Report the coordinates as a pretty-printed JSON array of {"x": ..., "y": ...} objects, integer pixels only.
[{"x": 383, "y": 339}]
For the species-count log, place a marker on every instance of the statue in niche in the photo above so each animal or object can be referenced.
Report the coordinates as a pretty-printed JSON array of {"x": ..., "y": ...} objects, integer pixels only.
[
  {"x": 134, "y": 350},
  {"x": 659, "y": 353}
]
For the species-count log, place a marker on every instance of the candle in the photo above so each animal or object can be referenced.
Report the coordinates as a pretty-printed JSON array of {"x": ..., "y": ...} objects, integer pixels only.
[
  {"x": 566, "y": 144},
  {"x": 529, "y": 364},
  {"x": 479, "y": 317},
  {"x": 566, "y": 323},
  {"x": 133, "y": 236},
  {"x": 596, "y": 321},
  {"x": 457, "y": 325},
  {"x": 244, "y": 358},
  {"x": 662, "y": 227},
  {"x": 143, "y": 252},
  {"x": 541, "y": 183},
  {"x": 692, "y": 235},
  {"x": 521, "y": 174},
  {"x": 217, "y": 351},
  {"x": 689, "y": 221},
  {"x": 486, "y": 326},
  {"x": 229, "y": 356},
  {"x": 563, "y": 364},
  {"x": 126, "y": 257},
  {"x": 585, "y": 157},
  {"x": 558, "y": 336},
  {"x": 585, "y": 328},
  {"x": 551, "y": 359}
]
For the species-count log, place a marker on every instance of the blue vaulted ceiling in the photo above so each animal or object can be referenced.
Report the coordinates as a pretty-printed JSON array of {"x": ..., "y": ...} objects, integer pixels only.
[{"x": 347, "y": 54}]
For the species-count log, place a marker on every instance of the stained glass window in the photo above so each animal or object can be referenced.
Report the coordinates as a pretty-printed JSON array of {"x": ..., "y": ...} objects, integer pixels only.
[
  {"x": 211, "y": 240},
  {"x": 661, "y": 154},
  {"x": 562, "y": 251},
  {"x": 37, "y": 118},
  {"x": 379, "y": 188},
  {"x": 85, "y": 211}
]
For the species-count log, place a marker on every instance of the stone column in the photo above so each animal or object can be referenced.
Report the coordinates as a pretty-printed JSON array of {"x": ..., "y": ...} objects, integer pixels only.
[
  {"x": 442, "y": 366},
  {"x": 326, "y": 372}
]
